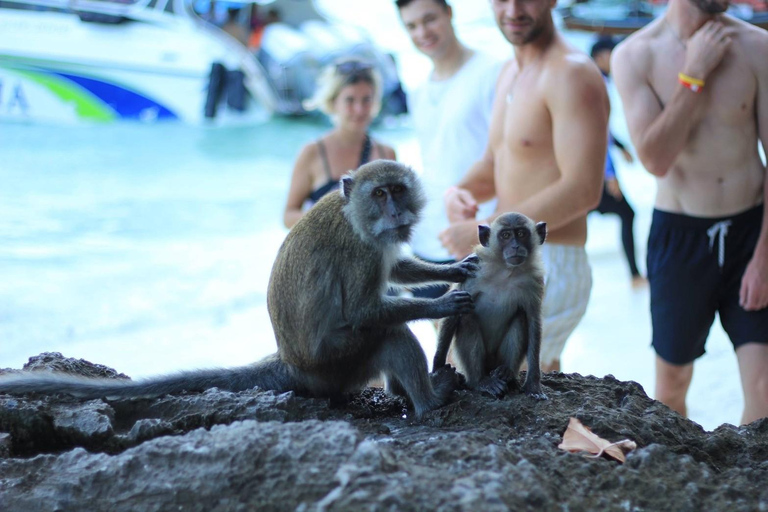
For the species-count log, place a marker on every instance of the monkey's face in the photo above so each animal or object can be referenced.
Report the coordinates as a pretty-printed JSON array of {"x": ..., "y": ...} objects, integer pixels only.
[
  {"x": 522, "y": 21},
  {"x": 513, "y": 236},
  {"x": 384, "y": 199},
  {"x": 515, "y": 245},
  {"x": 394, "y": 219},
  {"x": 429, "y": 25}
]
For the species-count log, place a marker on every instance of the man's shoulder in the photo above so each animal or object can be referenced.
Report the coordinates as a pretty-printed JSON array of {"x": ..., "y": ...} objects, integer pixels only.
[
  {"x": 634, "y": 55},
  {"x": 752, "y": 37},
  {"x": 572, "y": 77},
  {"x": 752, "y": 43},
  {"x": 572, "y": 67},
  {"x": 637, "y": 43}
]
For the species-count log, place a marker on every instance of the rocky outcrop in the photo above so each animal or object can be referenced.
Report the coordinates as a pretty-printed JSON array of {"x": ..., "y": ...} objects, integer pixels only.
[{"x": 258, "y": 450}]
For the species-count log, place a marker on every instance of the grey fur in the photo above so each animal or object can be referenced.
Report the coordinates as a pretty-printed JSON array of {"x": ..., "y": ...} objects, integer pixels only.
[
  {"x": 335, "y": 326},
  {"x": 327, "y": 295},
  {"x": 491, "y": 342}
]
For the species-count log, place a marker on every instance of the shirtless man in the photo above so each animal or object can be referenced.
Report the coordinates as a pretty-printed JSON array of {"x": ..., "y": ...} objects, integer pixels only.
[
  {"x": 545, "y": 158},
  {"x": 694, "y": 84}
]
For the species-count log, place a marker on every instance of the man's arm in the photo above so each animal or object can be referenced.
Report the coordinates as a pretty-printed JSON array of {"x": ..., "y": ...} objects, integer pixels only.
[
  {"x": 478, "y": 185},
  {"x": 580, "y": 137},
  {"x": 754, "y": 283},
  {"x": 479, "y": 179},
  {"x": 659, "y": 133}
]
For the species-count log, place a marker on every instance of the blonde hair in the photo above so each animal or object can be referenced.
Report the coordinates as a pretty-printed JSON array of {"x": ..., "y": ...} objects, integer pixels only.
[{"x": 335, "y": 77}]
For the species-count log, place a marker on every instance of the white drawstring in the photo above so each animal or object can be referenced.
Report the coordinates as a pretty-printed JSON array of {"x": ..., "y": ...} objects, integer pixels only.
[{"x": 719, "y": 228}]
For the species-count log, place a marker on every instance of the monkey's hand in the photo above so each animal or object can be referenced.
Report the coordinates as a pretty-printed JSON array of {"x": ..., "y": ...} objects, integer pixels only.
[
  {"x": 455, "y": 302},
  {"x": 464, "y": 269}
]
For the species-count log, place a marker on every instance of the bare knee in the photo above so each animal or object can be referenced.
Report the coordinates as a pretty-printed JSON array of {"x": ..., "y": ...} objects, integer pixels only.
[
  {"x": 753, "y": 367},
  {"x": 672, "y": 383},
  {"x": 756, "y": 400}
]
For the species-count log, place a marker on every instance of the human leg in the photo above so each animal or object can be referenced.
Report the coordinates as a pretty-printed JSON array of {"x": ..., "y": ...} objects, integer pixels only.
[
  {"x": 620, "y": 207},
  {"x": 672, "y": 383},
  {"x": 748, "y": 330},
  {"x": 683, "y": 279},
  {"x": 753, "y": 368},
  {"x": 627, "y": 216}
]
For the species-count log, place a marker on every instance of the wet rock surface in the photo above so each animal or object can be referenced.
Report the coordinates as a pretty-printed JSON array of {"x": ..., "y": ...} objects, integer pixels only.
[{"x": 225, "y": 451}]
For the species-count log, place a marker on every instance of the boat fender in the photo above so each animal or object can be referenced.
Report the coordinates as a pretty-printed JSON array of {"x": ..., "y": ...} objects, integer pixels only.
[
  {"x": 101, "y": 17},
  {"x": 236, "y": 91},
  {"x": 216, "y": 83}
]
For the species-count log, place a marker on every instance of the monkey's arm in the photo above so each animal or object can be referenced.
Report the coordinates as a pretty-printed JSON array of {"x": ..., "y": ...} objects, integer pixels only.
[
  {"x": 444, "y": 338},
  {"x": 410, "y": 271},
  {"x": 399, "y": 310}
]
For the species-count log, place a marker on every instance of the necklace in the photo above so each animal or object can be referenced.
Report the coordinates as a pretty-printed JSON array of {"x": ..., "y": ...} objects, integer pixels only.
[
  {"x": 674, "y": 33},
  {"x": 518, "y": 77}
]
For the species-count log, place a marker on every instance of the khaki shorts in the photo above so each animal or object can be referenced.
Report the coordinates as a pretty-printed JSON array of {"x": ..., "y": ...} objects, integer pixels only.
[{"x": 567, "y": 283}]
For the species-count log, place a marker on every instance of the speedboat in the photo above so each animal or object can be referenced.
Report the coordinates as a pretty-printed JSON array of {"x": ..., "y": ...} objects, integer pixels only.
[{"x": 67, "y": 61}]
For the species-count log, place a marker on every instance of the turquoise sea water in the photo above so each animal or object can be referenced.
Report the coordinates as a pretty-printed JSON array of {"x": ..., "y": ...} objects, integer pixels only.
[{"x": 148, "y": 247}]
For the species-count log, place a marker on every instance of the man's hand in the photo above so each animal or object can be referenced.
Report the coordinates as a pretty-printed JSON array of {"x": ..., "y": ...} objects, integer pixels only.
[
  {"x": 613, "y": 188},
  {"x": 460, "y": 238},
  {"x": 706, "y": 48},
  {"x": 460, "y": 205},
  {"x": 754, "y": 285}
]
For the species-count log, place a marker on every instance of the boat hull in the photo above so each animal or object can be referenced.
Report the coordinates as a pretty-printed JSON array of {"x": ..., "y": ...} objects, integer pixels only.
[{"x": 55, "y": 67}]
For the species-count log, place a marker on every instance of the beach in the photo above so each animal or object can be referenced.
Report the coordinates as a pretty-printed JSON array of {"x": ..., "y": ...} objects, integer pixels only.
[{"x": 148, "y": 248}]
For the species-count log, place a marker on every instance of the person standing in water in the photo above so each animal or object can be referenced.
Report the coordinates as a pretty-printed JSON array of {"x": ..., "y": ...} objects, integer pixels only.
[{"x": 349, "y": 92}]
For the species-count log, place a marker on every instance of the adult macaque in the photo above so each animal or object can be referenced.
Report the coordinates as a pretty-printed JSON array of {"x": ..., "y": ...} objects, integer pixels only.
[{"x": 335, "y": 325}]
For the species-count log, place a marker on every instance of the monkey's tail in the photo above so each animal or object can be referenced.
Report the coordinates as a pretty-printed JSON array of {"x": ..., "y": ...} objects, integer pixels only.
[{"x": 269, "y": 373}]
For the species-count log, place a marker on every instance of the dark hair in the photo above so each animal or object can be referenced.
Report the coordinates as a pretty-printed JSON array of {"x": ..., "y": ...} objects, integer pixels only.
[
  {"x": 402, "y": 3},
  {"x": 603, "y": 43}
]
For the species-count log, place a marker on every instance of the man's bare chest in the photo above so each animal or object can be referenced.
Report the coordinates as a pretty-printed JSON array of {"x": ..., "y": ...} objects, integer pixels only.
[
  {"x": 527, "y": 124},
  {"x": 728, "y": 97}
]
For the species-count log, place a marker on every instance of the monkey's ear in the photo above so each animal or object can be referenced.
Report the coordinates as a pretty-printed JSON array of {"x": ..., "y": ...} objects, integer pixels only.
[
  {"x": 346, "y": 186},
  {"x": 541, "y": 229},
  {"x": 484, "y": 234}
]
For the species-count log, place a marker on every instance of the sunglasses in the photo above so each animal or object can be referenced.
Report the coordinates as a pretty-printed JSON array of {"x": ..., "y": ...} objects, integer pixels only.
[{"x": 352, "y": 66}]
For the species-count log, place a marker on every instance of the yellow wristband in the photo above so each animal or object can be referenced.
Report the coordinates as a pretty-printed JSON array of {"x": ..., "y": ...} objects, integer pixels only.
[{"x": 689, "y": 79}]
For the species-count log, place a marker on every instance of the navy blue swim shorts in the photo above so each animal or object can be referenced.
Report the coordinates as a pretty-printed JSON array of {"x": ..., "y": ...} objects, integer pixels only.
[{"x": 695, "y": 266}]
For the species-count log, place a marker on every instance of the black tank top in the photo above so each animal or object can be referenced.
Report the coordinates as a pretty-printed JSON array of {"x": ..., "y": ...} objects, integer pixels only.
[{"x": 331, "y": 184}]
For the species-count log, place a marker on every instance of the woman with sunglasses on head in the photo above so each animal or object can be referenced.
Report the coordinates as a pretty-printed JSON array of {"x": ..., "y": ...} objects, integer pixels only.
[{"x": 349, "y": 92}]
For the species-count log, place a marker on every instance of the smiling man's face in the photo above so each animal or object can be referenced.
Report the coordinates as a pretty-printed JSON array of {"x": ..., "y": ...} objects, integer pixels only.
[
  {"x": 429, "y": 25},
  {"x": 522, "y": 21}
]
